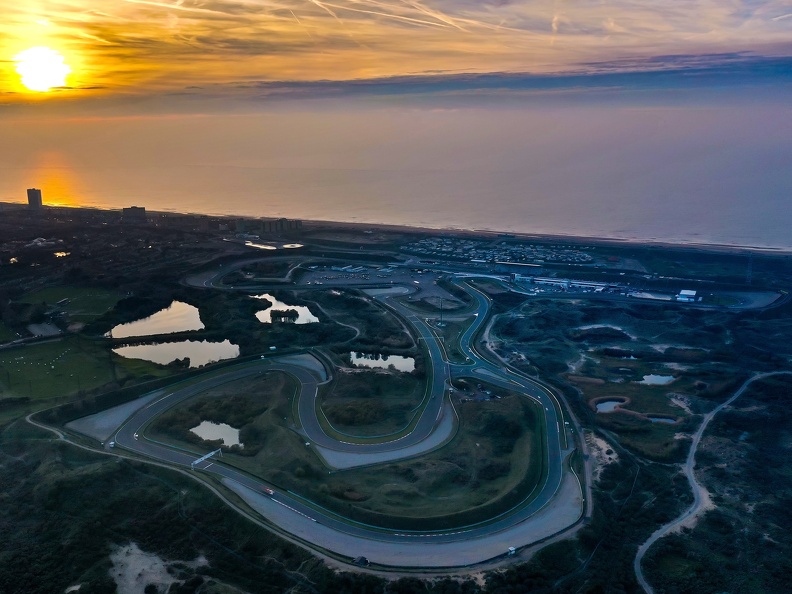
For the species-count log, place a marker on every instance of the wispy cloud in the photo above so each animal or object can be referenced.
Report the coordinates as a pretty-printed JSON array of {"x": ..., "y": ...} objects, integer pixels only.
[
  {"x": 675, "y": 72},
  {"x": 154, "y": 46}
]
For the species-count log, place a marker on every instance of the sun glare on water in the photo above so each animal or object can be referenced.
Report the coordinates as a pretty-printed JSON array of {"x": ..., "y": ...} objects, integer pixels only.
[{"x": 41, "y": 68}]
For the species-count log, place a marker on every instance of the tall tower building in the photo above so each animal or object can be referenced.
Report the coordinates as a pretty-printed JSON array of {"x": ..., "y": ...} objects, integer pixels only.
[{"x": 34, "y": 198}]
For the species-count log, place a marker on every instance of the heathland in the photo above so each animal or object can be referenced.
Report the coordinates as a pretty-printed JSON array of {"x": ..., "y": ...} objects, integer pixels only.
[{"x": 637, "y": 374}]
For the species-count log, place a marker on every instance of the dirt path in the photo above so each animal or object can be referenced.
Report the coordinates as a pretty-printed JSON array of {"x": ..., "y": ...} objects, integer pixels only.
[{"x": 701, "y": 497}]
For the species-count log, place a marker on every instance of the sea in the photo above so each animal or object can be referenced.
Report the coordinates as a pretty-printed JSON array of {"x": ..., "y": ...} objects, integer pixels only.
[{"x": 688, "y": 176}]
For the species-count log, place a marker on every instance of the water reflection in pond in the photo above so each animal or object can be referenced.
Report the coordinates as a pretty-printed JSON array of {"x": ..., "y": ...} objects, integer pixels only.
[
  {"x": 406, "y": 364},
  {"x": 607, "y": 406},
  {"x": 210, "y": 431},
  {"x": 200, "y": 352},
  {"x": 178, "y": 317},
  {"x": 304, "y": 315},
  {"x": 657, "y": 380},
  {"x": 667, "y": 420}
]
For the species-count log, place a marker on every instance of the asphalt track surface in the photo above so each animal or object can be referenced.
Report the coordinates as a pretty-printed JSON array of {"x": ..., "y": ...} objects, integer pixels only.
[{"x": 130, "y": 435}]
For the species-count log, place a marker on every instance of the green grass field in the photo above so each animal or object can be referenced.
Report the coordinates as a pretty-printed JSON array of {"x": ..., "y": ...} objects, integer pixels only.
[
  {"x": 722, "y": 300},
  {"x": 62, "y": 367},
  {"x": 84, "y": 305},
  {"x": 52, "y": 369},
  {"x": 496, "y": 453},
  {"x": 6, "y": 335},
  {"x": 370, "y": 403},
  {"x": 450, "y": 334},
  {"x": 493, "y": 462}
]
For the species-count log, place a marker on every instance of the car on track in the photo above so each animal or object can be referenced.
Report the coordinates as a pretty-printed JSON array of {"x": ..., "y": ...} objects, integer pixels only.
[{"x": 268, "y": 491}]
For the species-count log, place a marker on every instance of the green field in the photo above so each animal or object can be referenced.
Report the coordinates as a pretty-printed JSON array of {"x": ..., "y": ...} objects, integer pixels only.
[
  {"x": 84, "y": 304},
  {"x": 450, "y": 334},
  {"x": 368, "y": 403},
  {"x": 490, "y": 465},
  {"x": 493, "y": 462},
  {"x": 369, "y": 325},
  {"x": 6, "y": 335},
  {"x": 63, "y": 367}
]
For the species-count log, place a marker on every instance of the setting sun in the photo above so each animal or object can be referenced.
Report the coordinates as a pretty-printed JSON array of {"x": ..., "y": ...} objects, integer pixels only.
[{"x": 41, "y": 68}]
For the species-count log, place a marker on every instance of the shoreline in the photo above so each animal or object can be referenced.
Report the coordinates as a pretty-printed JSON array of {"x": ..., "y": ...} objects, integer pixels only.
[
  {"x": 356, "y": 226},
  {"x": 554, "y": 237}
]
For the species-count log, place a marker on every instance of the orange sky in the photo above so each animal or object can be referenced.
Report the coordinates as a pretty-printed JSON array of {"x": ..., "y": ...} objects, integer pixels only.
[{"x": 119, "y": 47}]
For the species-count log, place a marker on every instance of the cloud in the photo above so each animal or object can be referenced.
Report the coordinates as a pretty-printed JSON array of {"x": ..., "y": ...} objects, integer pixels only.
[
  {"x": 156, "y": 46},
  {"x": 728, "y": 66}
]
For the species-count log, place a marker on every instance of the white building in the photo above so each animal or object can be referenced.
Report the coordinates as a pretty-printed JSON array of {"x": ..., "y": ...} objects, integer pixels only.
[{"x": 686, "y": 296}]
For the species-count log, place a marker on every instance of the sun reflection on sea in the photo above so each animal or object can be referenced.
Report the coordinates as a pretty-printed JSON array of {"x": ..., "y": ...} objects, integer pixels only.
[{"x": 59, "y": 184}]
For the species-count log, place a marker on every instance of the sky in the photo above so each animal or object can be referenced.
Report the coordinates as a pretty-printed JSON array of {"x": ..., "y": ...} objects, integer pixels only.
[
  {"x": 500, "y": 114},
  {"x": 219, "y": 48}
]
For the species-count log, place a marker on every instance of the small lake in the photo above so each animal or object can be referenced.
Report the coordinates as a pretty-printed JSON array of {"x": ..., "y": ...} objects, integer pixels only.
[
  {"x": 213, "y": 431},
  {"x": 405, "y": 364},
  {"x": 606, "y": 406},
  {"x": 177, "y": 317},
  {"x": 657, "y": 380},
  {"x": 667, "y": 420},
  {"x": 304, "y": 315},
  {"x": 200, "y": 352}
]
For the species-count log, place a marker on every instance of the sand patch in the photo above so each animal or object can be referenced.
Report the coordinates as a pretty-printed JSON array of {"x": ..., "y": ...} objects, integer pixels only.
[
  {"x": 606, "y": 326},
  {"x": 747, "y": 409},
  {"x": 706, "y": 505},
  {"x": 662, "y": 348},
  {"x": 582, "y": 379},
  {"x": 682, "y": 402},
  {"x": 575, "y": 366},
  {"x": 600, "y": 449},
  {"x": 134, "y": 569},
  {"x": 677, "y": 366}
]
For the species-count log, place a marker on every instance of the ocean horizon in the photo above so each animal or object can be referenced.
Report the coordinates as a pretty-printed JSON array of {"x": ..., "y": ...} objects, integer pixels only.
[
  {"x": 682, "y": 175},
  {"x": 470, "y": 202}
]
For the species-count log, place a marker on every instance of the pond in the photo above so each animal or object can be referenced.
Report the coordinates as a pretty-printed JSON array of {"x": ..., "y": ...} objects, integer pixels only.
[
  {"x": 606, "y": 406},
  {"x": 200, "y": 352},
  {"x": 304, "y": 315},
  {"x": 667, "y": 420},
  {"x": 177, "y": 317},
  {"x": 210, "y": 431},
  {"x": 405, "y": 364},
  {"x": 657, "y": 380}
]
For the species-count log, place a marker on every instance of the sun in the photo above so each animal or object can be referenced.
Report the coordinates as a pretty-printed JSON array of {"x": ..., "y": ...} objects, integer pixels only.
[{"x": 41, "y": 68}]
